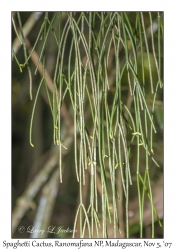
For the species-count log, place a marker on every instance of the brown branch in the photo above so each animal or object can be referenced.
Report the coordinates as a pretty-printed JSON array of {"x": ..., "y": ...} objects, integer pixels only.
[
  {"x": 29, "y": 24},
  {"x": 25, "y": 202},
  {"x": 46, "y": 205}
]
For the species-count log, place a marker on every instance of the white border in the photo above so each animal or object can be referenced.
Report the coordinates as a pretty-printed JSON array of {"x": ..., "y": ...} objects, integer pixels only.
[{"x": 5, "y": 95}]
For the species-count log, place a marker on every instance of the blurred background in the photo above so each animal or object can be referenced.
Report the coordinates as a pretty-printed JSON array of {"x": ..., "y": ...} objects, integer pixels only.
[{"x": 34, "y": 175}]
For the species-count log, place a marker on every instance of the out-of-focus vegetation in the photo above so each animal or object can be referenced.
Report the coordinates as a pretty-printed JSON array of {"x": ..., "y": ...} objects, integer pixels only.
[{"x": 99, "y": 77}]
